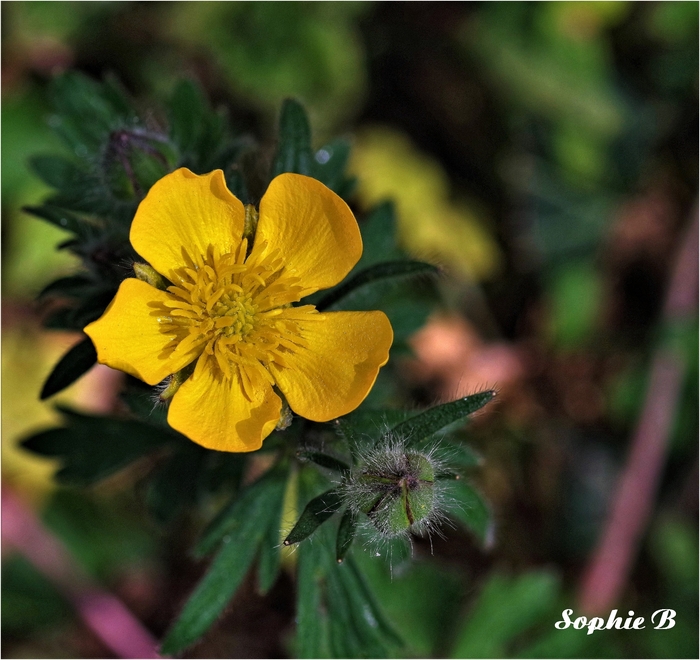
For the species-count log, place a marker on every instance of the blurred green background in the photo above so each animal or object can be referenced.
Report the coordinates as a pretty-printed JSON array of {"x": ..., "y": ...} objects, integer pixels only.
[{"x": 546, "y": 155}]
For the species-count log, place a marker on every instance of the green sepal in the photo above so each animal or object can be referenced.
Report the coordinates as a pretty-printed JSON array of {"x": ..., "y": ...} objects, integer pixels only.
[
  {"x": 346, "y": 534},
  {"x": 435, "y": 419},
  {"x": 294, "y": 141},
  {"x": 317, "y": 511},
  {"x": 76, "y": 362},
  {"x": 378, "y": 272}
]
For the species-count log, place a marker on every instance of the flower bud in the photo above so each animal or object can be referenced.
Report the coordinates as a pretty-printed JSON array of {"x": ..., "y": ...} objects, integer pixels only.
[
  {"x": 148, "y": 274},
  {"x": 396, "y": 488}
]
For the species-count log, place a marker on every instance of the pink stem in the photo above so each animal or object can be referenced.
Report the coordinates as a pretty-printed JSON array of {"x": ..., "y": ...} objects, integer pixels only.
[
  {"x": 102, "y": 612},
  {"x": 612, "y": 560}
]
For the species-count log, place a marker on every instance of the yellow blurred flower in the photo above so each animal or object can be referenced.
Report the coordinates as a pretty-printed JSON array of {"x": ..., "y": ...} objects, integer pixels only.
[
  {"x": 431, "y": 225},
  {"x": 229, "y": 311}
]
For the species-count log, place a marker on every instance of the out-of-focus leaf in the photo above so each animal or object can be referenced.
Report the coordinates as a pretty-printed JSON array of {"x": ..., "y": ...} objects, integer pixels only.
[
  {"x": 60, "y": 217},
  {"x": 92, "y": 448},
  {"x": 69, "y": 286},
  {"x": 77, "y": 361},
  {"x": 174, "y": 484},
  {"x": 294, "y": 141},
  {"x": 466, "y": 505},
  {"x": 435, "y": 419},
  {"x": 55, "y": 171},
  {"x": 317, "y": 511},
  {"x": 29, "y": 601},
  {"x": 505, "y": 608},
  {"x": 329, "y": 165},
  {"x": 382, "y": 271},
  {"x": 225, "y": 574},
  {"x": 419, "y": 602}
]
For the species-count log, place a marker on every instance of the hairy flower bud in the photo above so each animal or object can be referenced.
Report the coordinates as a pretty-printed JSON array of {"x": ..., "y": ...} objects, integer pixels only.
[{"x": 396, "y": 488}]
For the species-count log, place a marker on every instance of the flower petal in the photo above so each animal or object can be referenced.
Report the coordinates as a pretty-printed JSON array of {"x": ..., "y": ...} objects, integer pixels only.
[
  {"x": 186, "y": 211},
  {"x": 334, "y": 374},
  {"x": 313, "y": 228},
  {"x": 215, "y": 413},
  {"x": 128, "y": 335}
]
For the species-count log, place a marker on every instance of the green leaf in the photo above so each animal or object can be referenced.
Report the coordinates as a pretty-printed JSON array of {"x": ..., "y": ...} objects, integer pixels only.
[
  {"x": 379, "y": 237},
  {"x": 294, "y": 141},
  {"x": 329, "y": 165},
  {"x": 71, "y": 286},
  {"x": 77, "y": 361},
  {"x": 382, "y": 271},
  {"x": 516, "y": 604},
  {"x": 91, "y": 448},
  {"x": 225, "y": 574},
  {"x": 317, "y": 511},
  {"x": 313, "y": 627},
  {"x": 60, "y": 218},
  {"x": 324, "y": 460},
  {"x": 55, "y": 171},
  {"x": 173, "y": 486},
  {"x": 367, "y": 426},
  {"x": 346, "y": 535},
  {"x": 264, "y": 493},
  {"x": 435, "y": 419},
  {"x": 465, "y": 504}
]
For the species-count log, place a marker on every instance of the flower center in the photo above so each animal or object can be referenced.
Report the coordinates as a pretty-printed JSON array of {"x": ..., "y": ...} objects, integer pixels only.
[{"x": 235, "y": 309}]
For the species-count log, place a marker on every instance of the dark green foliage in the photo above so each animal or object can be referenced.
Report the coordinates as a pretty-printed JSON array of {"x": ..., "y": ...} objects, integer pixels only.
[
  {"x": 337, "y": 614},
  {"x": 324, "y": 460},
  {"x": 77, "y": 361},
  {"x": 91, "y": 448},
  {"x": 346, "y": 534},
  {"x": 239, "y": 547},
  {"x": 435, "y": 419},
  {"x": 469, "y": 508},
  {"x": 29, "y": 600},
  {"x": 382, "y": 271},
  {"x": 317, "y": 511},
  {"x": 294, "y": 141}
]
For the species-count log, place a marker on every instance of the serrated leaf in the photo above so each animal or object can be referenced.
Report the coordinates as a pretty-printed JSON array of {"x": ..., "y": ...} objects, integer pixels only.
[
  {"x": 91, "y": 447},
  {"x": 317, "y": 511},
  {"x": 323, "y": 460},
  {"x": 294, "y": 141},
  {"x": 376, "y": 273},
  {"x": 346, "y": 534},
  {"x": 435, "y": 419},
  {"x": 221, "y": 580},
  {"x": 76, "y": 362},
  {"x": 468, "y": 507}
]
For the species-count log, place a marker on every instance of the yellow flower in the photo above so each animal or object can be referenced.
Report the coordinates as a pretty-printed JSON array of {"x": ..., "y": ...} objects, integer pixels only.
[{"x": 230, "y": 309}]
